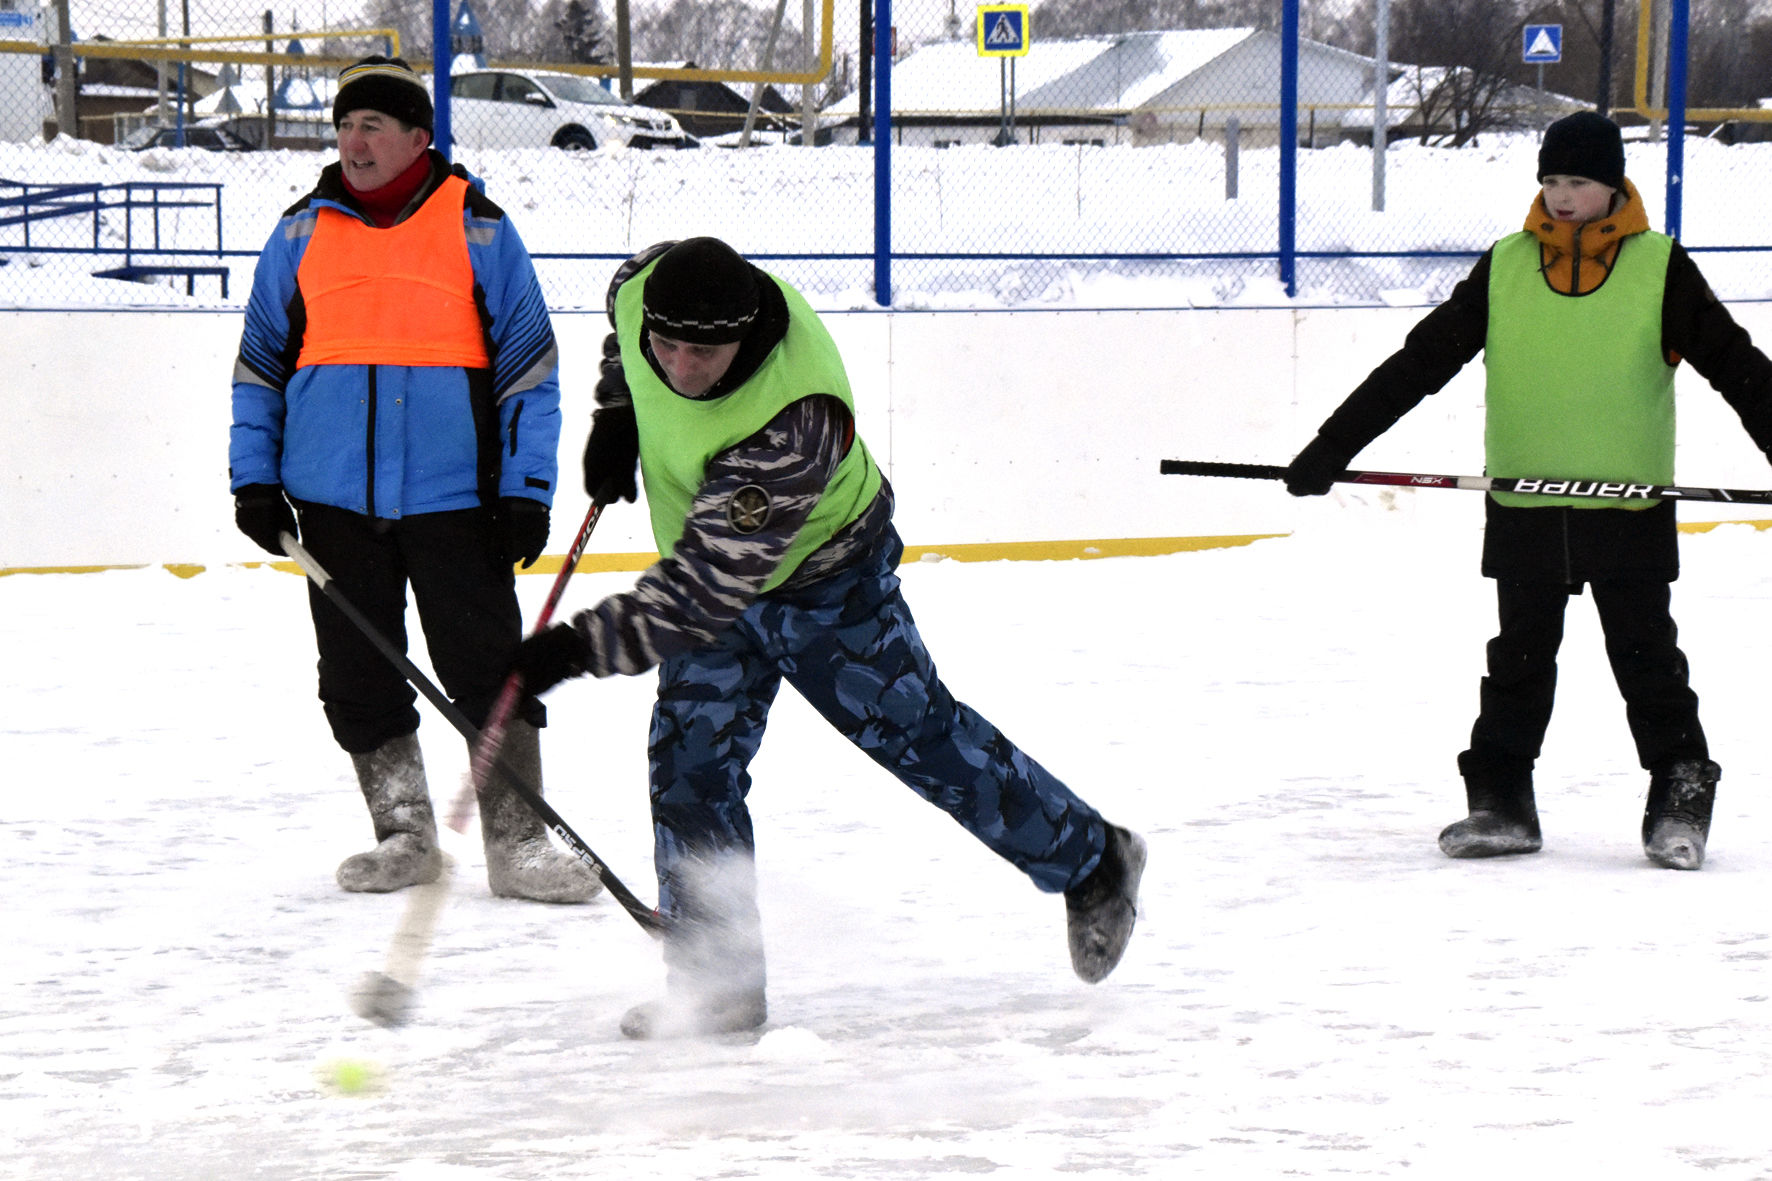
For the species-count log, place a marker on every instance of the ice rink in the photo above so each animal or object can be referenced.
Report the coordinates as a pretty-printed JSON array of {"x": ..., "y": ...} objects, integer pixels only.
[{"x": 1313, "y": 990}]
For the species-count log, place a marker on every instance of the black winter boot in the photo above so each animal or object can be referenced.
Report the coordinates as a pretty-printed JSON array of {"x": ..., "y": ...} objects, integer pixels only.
[
  {"x": 1101, "y": 909},
  {"x": 1503, "y": 816},
  {"x": 392, "y": 777},
  {"x": 520, "y": 862},
  {"x": 1676, "y": 822}
]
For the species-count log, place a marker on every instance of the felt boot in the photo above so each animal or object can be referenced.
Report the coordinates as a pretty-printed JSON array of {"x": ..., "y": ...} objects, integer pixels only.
[
  {"x": 392, "y": 777},
  {"x": 1101, "y": 909},
  {"x": 520, "y": 861}
]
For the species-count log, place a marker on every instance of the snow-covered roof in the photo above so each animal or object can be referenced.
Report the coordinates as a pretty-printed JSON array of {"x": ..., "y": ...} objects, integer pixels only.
[
  {"x": 1134, "y": 69},
  {"x": 1114, "y": 73},
  {"x": 951, "y": 76}
]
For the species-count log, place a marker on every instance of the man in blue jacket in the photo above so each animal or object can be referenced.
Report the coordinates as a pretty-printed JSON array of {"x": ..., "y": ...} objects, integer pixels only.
[{"x": 396, "y": 394}]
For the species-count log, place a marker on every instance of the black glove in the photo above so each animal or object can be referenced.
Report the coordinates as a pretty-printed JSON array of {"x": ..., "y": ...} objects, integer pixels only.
[
  {"x": 550, "y": 656},
  {"x": 611, "y": 455},
  {"x": 261, "y": 512},
  {"x": 1313, "y": 472},
  {"x": 525, "y": 524}
]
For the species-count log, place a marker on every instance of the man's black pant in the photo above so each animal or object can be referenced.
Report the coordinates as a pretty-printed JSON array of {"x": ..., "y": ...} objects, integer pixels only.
[
  {"x": 1520, "y": 688},
  {"x": 467, "y": 606}
]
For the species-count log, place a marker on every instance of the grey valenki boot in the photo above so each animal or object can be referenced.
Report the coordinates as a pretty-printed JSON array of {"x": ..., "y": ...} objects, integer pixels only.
[
  {"x": 392, "y": 777},
  {"x": 520, "y": 861},
  {"x": 1101, "y": 909},
  {"x": 1676, "y": 821}
]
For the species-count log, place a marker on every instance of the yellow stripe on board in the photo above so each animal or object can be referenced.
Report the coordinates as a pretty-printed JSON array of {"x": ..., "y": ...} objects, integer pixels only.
[
  {"x": 1061, "y": 551},
  {"x": 990, "y": 551},
  {"x": 1707, "y": 526},
  {"x": 1012, "y": 551}
]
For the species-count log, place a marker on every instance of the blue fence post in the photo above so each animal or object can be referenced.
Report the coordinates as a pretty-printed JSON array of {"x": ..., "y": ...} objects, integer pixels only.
[
  {"x": 442, "y": 53},
  {"x": 1680, "y": 15},
  {"x": 1288, "y": 245},
  {"x": 883, "y": 153}
]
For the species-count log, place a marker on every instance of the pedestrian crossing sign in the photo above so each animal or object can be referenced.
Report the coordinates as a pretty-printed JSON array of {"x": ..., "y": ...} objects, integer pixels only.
[
  {"x": 1541, "y": 44},
  {"x": 1002, "y": 30}
]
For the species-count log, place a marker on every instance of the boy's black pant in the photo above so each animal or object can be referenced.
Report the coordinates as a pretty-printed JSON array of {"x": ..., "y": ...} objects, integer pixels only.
[
  {"x": 1520, "y": 688},
  {"x": 467, "y": 606}
]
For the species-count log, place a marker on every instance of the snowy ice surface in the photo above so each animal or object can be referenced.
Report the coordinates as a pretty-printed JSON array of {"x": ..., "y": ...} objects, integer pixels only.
[{"x": 1313, "y": 990}]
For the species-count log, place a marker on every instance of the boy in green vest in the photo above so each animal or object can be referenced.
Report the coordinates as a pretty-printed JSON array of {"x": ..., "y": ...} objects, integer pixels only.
[
  {"x": 1582, "y": 318},
  {"x": 774, "y": 526}
]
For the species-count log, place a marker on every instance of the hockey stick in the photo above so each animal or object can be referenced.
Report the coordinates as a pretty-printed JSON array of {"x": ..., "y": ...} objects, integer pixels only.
[
  {"x": 1533, "y": 486},
  {"x": 386, "y": 997},
  {"x": 492, "y": 735}
]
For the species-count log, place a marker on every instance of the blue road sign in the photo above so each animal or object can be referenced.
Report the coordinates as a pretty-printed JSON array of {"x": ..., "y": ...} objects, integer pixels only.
[{"x": 1541, "y": 44}]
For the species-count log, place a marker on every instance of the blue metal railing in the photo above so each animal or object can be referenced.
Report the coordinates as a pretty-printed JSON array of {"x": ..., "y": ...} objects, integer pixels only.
[{"x": 29, "y": 208}]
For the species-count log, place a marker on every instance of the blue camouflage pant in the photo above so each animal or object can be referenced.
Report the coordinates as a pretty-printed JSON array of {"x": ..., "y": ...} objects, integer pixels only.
[{"x": 848, "y": 645}]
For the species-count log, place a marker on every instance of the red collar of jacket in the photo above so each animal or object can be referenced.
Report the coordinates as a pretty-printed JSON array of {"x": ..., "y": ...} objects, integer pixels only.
[{"x": 384, "y": 205}]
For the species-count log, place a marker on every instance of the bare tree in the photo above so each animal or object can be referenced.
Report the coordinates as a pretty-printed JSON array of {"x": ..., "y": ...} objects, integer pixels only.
[
  {"x": 583, "y": 32},
  {"x": 553, "y": 31},
  {"x": 714, "y": 34},
  {"x": 1720, "y": 61},
  {"x": 411, "y": 17},
  {"x": 1329, "y": 23},
  {"x": 1087, "y": 18},
  {"x": 1471, "y": 49}
]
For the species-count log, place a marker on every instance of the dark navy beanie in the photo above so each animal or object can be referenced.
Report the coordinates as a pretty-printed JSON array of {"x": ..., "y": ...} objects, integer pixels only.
[
  {"x": 701, "y": 291},
  {"x": 1583, "y": 144}
]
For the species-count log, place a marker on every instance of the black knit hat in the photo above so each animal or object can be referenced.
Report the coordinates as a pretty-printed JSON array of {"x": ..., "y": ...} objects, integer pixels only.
[
  {"x": 1583, "y": 144},
  {"x": 701, "y": 291},
  {"x": 385, "y": 84}
]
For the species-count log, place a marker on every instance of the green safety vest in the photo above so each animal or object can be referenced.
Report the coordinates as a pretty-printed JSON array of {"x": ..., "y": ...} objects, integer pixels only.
[
  {"x": 1578, "y": 387},
  {"x": 678, "y": 435}
]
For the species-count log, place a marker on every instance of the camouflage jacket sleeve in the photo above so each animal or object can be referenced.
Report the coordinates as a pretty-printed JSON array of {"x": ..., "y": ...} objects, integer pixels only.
[{"x": 718, "y": 570}]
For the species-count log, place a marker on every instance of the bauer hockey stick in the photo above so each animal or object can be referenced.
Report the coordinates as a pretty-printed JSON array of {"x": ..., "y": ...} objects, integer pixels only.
[
  {"x": 386, "y": 997},
  {"x": 1533, "y": 486}
]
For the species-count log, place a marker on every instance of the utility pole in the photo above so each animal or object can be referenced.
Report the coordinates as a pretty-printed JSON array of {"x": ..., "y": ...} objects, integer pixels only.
[
  {"x": 809, "y": 91},
  {"x": 864, "y": 89},
  {"x": 270, "y": 86},
  {"x": 1603, "y": 103},
  {"x": 66, "y": 90},
  {"x": 624, "y": 53}
]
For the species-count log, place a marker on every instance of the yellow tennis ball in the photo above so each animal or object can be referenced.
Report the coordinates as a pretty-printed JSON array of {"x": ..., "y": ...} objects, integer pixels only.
[{"x": 352, "y": 1076}]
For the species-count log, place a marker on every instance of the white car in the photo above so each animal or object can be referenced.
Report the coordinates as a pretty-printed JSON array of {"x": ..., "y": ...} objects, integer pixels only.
[{"x": 533, "y": 108}]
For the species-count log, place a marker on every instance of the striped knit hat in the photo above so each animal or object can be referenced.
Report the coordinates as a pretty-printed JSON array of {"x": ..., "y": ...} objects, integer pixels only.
[
  {"x": 701, "y": 291},
  {"x": 385, "y": 84}
]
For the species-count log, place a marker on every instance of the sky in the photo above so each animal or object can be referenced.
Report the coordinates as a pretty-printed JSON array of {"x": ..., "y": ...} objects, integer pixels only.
[{"x": 1312, "y": 988}]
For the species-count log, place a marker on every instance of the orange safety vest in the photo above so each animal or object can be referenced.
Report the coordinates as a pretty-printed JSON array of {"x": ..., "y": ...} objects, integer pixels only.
[{"x": 397, "y": 296}]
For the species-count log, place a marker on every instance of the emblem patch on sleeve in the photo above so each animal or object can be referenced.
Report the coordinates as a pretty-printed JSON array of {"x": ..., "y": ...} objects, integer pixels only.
[{"x": 748, "y": 509}]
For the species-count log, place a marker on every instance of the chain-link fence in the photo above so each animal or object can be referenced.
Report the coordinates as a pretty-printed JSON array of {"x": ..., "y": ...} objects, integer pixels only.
[{"x": 1019, "y": 167}]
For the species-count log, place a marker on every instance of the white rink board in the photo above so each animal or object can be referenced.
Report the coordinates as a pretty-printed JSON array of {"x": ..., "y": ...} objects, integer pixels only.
[{"x": 993, "y": 426}]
